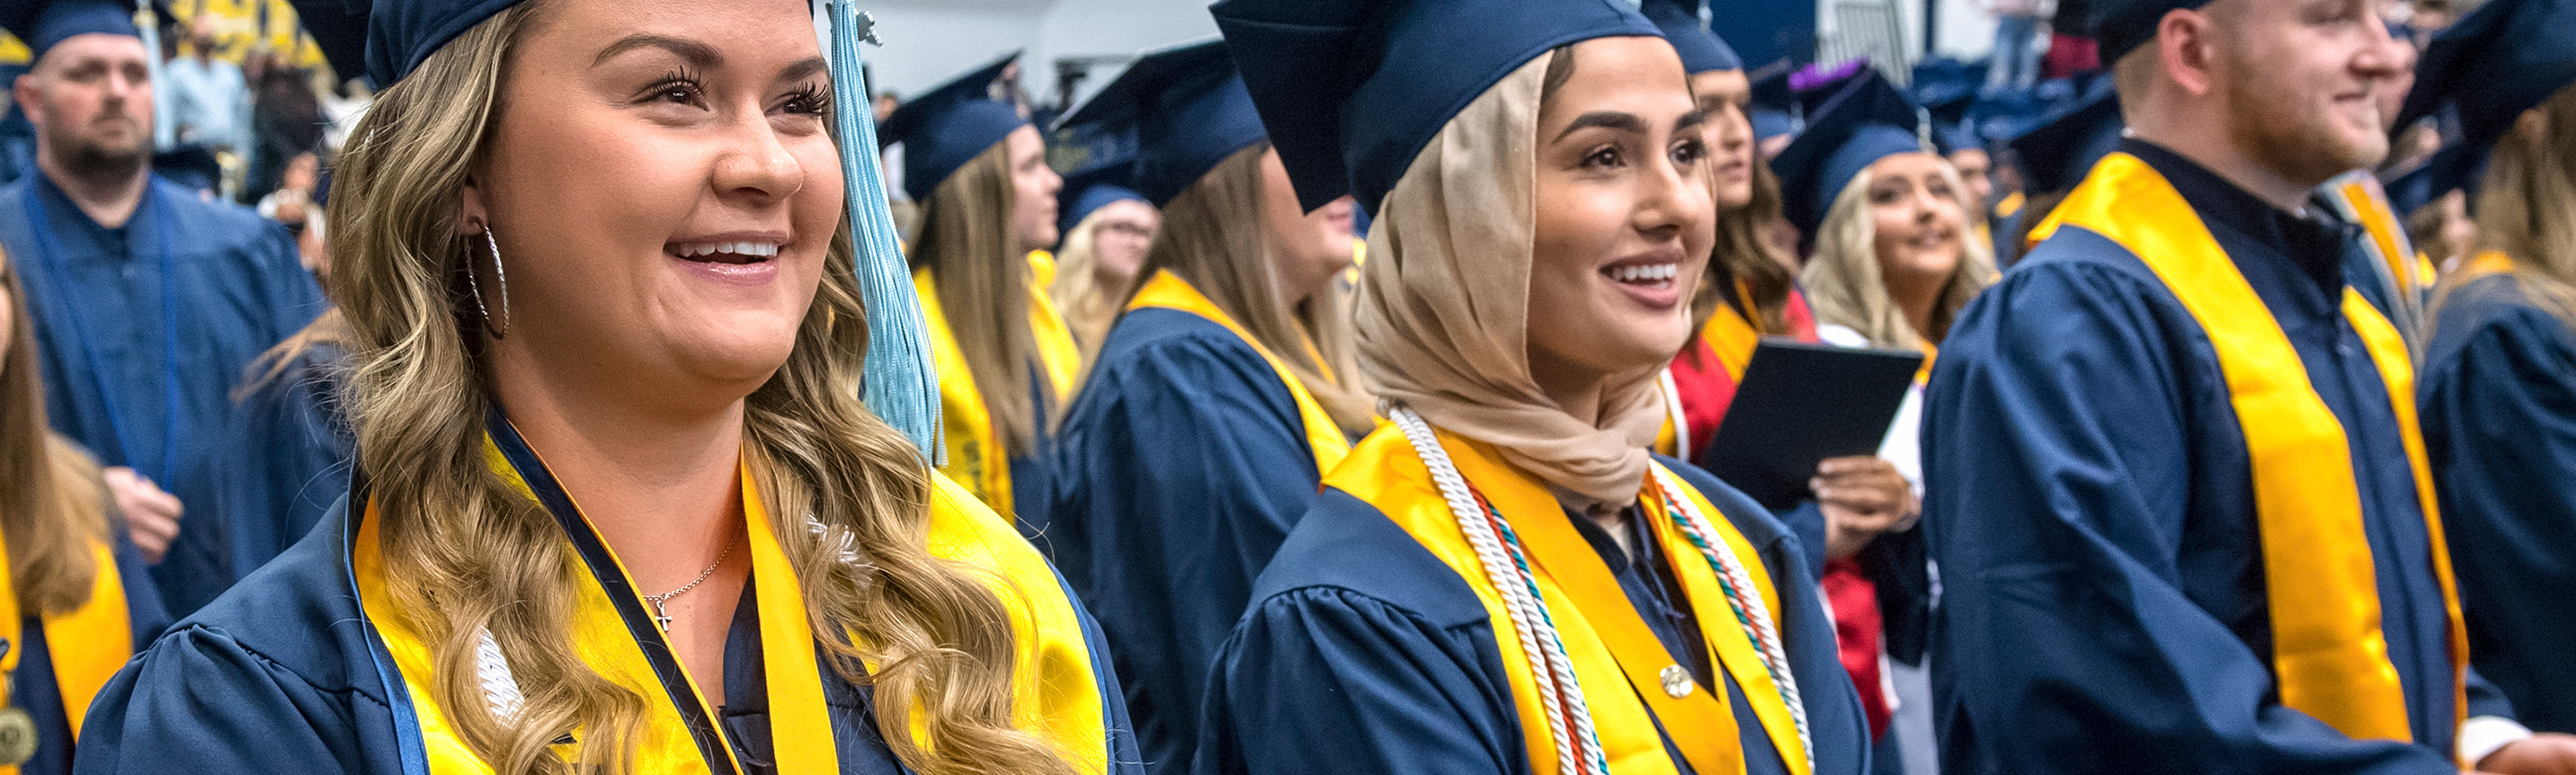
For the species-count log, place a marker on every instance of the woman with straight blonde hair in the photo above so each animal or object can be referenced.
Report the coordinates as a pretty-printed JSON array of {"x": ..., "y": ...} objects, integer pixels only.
[
  {"x": 617, "y": 505},
  {"x": 77, "y": 601},
  {"x": 1504, "y": 578},
  {"x": 1220, "y": 399},
  {"x": 1007, "y": 360},
  {"x": 2498, "y": 382}
]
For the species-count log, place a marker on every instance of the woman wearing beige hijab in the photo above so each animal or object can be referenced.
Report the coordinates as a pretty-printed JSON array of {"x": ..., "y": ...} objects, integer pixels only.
[{"x": 1503, "y": 579}]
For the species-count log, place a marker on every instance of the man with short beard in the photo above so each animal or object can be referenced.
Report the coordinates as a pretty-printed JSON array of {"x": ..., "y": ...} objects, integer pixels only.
[
  {"x": 150, "y": 304},
  {"x": 2175, "y": 485}
]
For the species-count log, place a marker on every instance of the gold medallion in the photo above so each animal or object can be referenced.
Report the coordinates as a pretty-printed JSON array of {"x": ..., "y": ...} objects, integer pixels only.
[
  {"x": 17, "y": 736},
  {"x": 1677, "y": 682}
]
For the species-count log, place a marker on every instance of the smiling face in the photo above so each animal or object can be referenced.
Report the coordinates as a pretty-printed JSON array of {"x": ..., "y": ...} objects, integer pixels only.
[
  {"x": 2304, "y": 81},
  {"x": 1916, "y": 220},
  {"x": 1724, "y": 96},
  {"x": 663, "y": 190},
  {"x": 1122, "y": 232},
  {"x": 1624, "y": 219}
]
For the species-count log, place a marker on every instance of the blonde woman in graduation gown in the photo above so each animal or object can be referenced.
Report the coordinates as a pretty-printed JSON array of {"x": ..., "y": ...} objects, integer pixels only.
[{"x": 617, "y": 506}]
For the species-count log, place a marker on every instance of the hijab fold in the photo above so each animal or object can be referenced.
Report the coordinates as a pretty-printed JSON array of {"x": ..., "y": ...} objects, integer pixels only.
[{"x": 1443, "y": 316}]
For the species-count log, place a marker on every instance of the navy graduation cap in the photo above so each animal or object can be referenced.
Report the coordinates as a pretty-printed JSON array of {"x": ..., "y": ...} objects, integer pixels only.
[
  {"x": 41, "y": 24},
  {"x": 1091, "y": 188},
  {"x": 2506, "y": 57},
  {"x": 2121, "y": 26},
  {"x": 944, "y": 128},
  {"x": 1351, "y": 90},
  {"x": 2059, "y": 152},
  {"x": 1702, "y": 50},
  {"x": 1188, "y": 110},
  {"x": 1949, "y": 103},
  {"x": 1868, "y": 121}
]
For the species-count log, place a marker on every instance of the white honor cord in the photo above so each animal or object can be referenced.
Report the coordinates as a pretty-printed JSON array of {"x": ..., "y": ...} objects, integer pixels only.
[
  {"x": 1721, "y": 556},
  {"x": 1577, "y": 749},
  {"x": 500, "y": 688}
]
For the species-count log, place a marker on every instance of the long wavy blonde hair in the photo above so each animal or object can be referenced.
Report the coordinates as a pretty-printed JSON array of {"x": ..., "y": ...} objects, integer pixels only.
[
  {"x": 52, "y": 503},
  {"x": 1212, "y": 237},
  {"x": 2527, "y": 206},
  {"x": 473, "y": 554},
  {"x": 983, "y": 278},
  {"x": 1088, "y": 307},
  {"x": 1845, "y": 287}
]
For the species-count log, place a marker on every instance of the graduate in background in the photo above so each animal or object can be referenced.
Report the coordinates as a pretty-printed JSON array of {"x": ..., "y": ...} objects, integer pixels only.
[
  {"x": 2056, "y": 154},
  {"x": 287, "y": 446},
  {"x": 618, "y": 507},
  {"x": 2175, "y": 486},
  {"x": 1896, "y": 256},
  {"x": 151, "y": 303},
  {"x": 2499, "y": 378},
  {"x": 1503, "y": 579},
  {"x": 1219, "y": 401},
  {"x": 1750, "y": 290},
  {"x": 1107, "y": 228},
  {"x": 1007, "y": 361},
  {"x": 2387, "y": 270},
  {"x": 77, "y": 601}
]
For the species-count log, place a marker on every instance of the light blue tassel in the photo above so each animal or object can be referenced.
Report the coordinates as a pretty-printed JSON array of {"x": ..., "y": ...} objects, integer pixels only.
[{"x": 902, "y": 385}]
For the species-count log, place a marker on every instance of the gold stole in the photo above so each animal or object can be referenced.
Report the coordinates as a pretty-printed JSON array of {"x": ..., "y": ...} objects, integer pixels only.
[
  {"x": 1168, "y": 291},
  {"x": 973, "y": 454},
  {"x": 88, "y": 644},
  {"x": 1055, "y": 693},
  {"x": 2330, "y": 655},
  {"x": 1617, "y": 659}
]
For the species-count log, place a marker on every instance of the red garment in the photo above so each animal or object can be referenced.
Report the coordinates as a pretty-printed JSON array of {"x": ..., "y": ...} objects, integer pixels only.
[
  {"x": 1706, "y": 378},
  {"x": 1857, "y": 629},
  {"x": 2069, "y": 55}
]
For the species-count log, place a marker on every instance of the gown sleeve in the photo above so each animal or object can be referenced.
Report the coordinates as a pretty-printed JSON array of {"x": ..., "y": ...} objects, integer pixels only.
[
  {"x": 2500, "y": 424},
  {"x": 1181, "y": 476},
  {"x": 1327, "y": 680},
  {"x": 2059, "y": 473},
  {"x": 200, "y": 702}
]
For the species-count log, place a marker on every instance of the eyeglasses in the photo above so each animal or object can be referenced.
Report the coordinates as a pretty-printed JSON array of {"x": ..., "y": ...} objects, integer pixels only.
[{"x": 1125, "y": 229}]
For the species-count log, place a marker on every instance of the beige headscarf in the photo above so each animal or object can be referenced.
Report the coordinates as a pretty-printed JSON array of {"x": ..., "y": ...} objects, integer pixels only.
[{"x": 1443, "y": 313}]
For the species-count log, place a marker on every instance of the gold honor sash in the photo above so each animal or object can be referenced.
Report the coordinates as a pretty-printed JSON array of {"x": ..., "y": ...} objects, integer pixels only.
[
  {"x": 1056, "y": 694},
  {"x": 1617, "y": 659},
  {"x": 88, "y": 644},
  {"x": 1168, "y": 291},
  {"x": 2329, "y": 653}
]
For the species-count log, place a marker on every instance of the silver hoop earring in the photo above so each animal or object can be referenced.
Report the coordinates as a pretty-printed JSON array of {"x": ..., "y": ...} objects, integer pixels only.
[{"x": 474, "y": 284}]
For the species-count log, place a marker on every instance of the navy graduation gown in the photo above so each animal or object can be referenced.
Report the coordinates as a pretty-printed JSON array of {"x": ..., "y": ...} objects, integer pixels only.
[
  {"x": 286, "y": 457},
  {"x": 277, "y": 675},
  {"x": 2091, "y": 507},
  {"x": 2499, "y": 413},
  {"x": 1180, "y": 469},
  {"x": 115, "y": 380},
  {"x": 32, "y": 686},
  {"x": 1363, "y": 653}
]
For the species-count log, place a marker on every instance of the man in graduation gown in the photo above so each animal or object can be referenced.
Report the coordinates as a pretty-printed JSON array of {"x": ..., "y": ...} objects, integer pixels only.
[
  {"x": 2176, "y": 490},
  {"x": 149, "y": 302}
]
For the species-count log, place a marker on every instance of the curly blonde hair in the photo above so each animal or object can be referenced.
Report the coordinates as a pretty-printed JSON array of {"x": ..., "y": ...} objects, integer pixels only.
[{"x": 475, "y": 555}]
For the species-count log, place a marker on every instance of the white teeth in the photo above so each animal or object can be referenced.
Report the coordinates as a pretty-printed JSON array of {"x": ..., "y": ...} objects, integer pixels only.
[
  {"x": 1638, "y": 273},
  {"x": 761, "y": 249}
]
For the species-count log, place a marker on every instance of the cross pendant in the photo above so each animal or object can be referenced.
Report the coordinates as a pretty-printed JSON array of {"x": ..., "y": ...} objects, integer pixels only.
[{"x": 662, "y": 616}]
